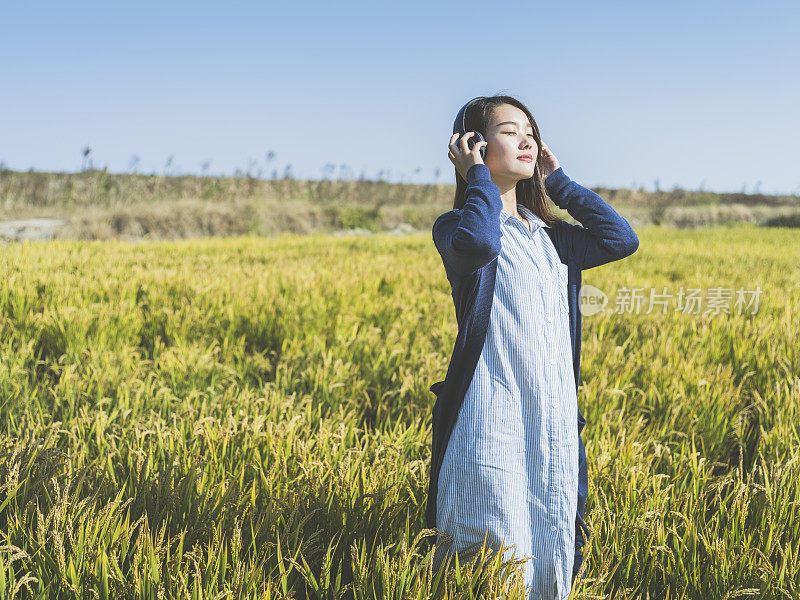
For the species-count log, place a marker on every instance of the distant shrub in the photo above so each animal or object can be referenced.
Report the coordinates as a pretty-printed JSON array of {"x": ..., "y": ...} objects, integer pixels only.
[{"x": 790, "y": 220}]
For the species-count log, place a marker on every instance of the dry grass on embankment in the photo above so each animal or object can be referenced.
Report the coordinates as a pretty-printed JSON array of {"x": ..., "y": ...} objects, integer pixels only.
[{"x": 101, "y": 205}]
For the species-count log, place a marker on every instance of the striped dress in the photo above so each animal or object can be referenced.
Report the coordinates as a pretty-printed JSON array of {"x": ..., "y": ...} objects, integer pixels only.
[{"x": 510, "y": 470}]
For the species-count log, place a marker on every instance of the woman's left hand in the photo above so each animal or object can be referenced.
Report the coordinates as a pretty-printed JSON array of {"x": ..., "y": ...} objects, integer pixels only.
[{"x": 549, "y": 161}]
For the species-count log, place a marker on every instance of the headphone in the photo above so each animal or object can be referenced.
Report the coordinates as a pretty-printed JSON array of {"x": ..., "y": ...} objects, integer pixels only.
[{"x": 460, "y": 128}]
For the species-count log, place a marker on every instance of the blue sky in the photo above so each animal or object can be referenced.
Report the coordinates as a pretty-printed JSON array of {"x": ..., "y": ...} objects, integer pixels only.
[{"x": 702, "y": 95}]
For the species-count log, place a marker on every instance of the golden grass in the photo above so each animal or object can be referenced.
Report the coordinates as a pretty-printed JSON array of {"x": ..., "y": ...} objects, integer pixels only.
[{"x": 249, "y": 418}]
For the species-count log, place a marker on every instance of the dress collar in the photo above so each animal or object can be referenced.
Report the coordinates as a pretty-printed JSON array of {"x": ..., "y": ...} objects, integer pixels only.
[{"x": 525, "y": 212}]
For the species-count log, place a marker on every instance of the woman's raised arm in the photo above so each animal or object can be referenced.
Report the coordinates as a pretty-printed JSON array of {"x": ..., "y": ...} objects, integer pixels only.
[
  {"x": 469, "y": 238},
  {"x": 605, "y": 236}
]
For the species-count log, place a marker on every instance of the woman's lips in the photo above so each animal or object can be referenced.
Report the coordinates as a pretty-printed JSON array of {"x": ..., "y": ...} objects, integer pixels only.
[{"x": 525, "y": 158}]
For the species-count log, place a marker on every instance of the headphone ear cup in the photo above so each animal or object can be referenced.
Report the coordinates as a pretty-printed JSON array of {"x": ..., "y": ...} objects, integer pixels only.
[{"x": 479, "y": 138}]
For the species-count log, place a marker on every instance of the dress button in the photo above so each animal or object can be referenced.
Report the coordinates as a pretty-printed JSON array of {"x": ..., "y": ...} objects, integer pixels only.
[
  {"x": 555, "y": 404},
  {"x": 530, "y": 242},
  {"x": 553, "y": 527}
]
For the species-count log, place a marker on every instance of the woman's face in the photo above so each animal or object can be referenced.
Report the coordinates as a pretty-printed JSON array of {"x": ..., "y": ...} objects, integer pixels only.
[{"x": 510, "y": 136}]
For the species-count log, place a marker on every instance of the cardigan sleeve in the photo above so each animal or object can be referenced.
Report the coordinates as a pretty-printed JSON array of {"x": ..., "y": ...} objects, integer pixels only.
[
  {"x": 469, "y": 238},
  {"x": 605, "y": 235}
]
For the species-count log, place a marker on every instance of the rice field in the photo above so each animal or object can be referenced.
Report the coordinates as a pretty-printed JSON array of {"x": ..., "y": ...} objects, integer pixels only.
[{"x": 250, "y": 418}]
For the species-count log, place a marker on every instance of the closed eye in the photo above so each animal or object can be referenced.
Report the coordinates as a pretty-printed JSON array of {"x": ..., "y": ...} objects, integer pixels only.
[{"x": 530, "y": 134}]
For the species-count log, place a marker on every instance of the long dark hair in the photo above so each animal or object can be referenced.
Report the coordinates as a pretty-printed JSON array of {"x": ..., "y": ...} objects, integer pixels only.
[{"x": 530, "y": 192}]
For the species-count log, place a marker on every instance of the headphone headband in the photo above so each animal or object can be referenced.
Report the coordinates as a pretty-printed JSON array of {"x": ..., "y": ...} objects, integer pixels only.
[{"x": 459, "y": 125}]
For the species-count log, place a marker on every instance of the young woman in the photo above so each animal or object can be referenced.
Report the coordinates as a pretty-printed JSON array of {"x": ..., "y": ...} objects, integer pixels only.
[{"x": 508, "y": 462}]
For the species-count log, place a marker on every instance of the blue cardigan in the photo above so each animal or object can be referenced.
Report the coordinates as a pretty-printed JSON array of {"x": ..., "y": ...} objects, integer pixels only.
[{"x": 468, "y": 240}]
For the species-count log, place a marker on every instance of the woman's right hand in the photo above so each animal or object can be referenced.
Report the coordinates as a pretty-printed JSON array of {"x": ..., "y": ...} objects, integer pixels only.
[{"x": 461, "y": 156}]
